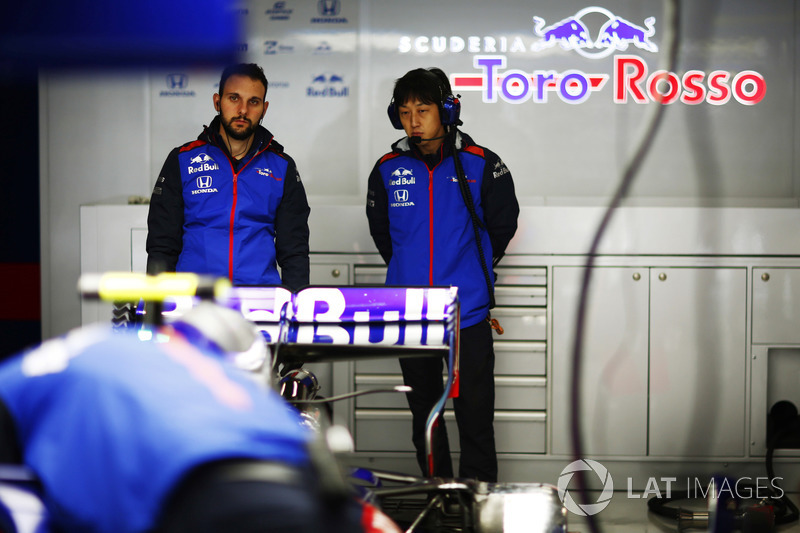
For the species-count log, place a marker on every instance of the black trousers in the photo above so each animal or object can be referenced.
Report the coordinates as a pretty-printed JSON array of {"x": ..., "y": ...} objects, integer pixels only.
[{"x": 474, "y": 407}]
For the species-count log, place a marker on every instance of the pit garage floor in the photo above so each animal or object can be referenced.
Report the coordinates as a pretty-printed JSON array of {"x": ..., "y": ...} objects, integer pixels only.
[{"x": 628, "y": 515}]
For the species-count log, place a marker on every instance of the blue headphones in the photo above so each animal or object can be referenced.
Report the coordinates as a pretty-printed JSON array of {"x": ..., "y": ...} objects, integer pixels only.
[{"x": 449, "y": 108}]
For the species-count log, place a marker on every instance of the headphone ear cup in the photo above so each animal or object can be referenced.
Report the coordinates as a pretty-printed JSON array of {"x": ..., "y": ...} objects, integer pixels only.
[
  {"x": 451, "y": 110},
  {"x": 394, "y": 118}
]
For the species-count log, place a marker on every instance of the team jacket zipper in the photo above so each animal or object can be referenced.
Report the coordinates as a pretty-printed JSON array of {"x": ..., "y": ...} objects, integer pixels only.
[
  {"x": 233, "y": 205},
  {"x": 430, "y": 212}
]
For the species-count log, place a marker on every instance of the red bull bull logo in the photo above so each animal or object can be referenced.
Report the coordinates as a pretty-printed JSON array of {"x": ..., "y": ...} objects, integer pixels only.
[{"x": 616, "y": 33}]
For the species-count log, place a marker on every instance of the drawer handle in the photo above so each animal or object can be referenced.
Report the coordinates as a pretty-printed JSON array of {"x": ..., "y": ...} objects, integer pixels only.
[
  {"x": 335, "y": 273},
  {"x": 765, "y": 276},
  {"x": 636, "y": 276},
  {"x": 662, "y": 277}
]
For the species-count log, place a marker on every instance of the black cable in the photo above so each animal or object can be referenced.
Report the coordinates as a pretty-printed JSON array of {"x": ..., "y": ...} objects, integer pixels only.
[
  {"x": 793, "y": 513},
  {"x": 672, "y": 11},
  {"x": 786, "y": 511},
  {"x": 477, "y": 225}
]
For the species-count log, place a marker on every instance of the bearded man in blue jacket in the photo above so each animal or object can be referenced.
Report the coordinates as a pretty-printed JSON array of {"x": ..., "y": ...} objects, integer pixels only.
[
  {"x": 231, "y": 203},
  {"x": 441, "y": 210}
]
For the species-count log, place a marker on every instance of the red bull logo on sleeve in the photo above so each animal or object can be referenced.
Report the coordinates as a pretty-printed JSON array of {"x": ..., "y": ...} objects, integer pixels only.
[{"x": 594, "y": 33}]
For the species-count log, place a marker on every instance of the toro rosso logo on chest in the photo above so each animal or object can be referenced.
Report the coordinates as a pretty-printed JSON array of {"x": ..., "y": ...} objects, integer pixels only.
[
  {"x": 204, "y": 185},
  {"x": 268, "y": 173},
  {"x": 202, "y": 163}
]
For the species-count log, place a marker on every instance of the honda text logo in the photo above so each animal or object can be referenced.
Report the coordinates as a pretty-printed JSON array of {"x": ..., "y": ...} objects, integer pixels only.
[
  {"x": 328, "y": 11},
  {"x": 328, "y": 8},
  {"x": 177, "y": 84},
  {"x": 177, "y": 81},
  {"x": 204, "y": 185},
  {"x": 401, "y": 198}
]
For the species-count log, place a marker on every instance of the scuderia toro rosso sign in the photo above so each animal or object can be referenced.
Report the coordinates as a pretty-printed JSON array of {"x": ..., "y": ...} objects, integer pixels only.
[{"x": 497, "y": 80}]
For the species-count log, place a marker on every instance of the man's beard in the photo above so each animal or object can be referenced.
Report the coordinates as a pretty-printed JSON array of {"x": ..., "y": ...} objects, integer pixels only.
[{"x": 239, "y": 135}]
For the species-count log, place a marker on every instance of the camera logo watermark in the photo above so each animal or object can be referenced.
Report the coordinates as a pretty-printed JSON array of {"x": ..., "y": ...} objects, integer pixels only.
[
  {"x": 740, "y": 489},
  {"x": 603, "y": 499}
]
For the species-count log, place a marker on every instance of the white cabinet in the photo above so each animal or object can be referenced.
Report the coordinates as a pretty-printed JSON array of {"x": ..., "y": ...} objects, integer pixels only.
[
  {"x": 697, "y": 361},
  {"x": 776, "y": 305},
  {"x": 664, "y": 360},
  {"x": 614, "y": 361},
  {"x": 775, "y": 354},
  {"x": 382, "y": 423}
]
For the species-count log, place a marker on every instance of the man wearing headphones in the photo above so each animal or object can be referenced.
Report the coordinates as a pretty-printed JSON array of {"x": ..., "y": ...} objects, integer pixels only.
[
  {"x": 231, "y": 203},
  {"x": 441, "y": 210}
]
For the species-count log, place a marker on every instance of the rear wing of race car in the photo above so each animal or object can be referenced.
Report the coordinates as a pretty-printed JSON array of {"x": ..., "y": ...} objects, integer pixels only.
[
  {"x": 364, "y": 322},
  {"x": 316, "y": 323}
]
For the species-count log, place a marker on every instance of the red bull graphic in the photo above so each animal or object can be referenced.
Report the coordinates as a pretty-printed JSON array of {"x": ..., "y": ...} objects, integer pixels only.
[
  {"x": 632, "y": 82},
  {"x": 570, "y": 33},
  {"x": 616, "y": 33}
]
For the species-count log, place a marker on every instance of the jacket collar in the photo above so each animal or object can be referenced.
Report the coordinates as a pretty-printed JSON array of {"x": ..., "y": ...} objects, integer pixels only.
[
  {"x": 404, "y": 146},
  {"x": 262, "y": 138}
]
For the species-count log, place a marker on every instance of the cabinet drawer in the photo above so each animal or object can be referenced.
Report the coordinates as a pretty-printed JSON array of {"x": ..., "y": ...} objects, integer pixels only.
[
  {"x": 510, "y": 358},
  {"x": 520, "y": 296},
  {"x": 390, "y": 431},
  {"x": 511, "y": 393},
  {"x": 382, "y": 400},
  {"x": 508, "y": 275},
  {"x": 519, "y": 358},
  {"x": 521, "y": 324},
  {"x": 387, "y": 365},
  {"x": 516, "y": 393},
  {"x": 329, "y": 274},
  {"x": 369, "y": 274}
]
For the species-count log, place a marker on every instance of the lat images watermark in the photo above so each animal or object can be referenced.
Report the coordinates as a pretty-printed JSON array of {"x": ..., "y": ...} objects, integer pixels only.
[
  {"x": 744, "y": 488},
  {"x": 567, "y": 499}
]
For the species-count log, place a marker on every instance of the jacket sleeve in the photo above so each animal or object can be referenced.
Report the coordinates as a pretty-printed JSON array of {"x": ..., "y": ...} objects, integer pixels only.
[
  {"x": 165, "y": 218},
  {"x": 291, "y": 230},
  {"x": 378, "y": 214},
  {"x": 10, "y": 449},
  {"x": 500, "y": 205}
]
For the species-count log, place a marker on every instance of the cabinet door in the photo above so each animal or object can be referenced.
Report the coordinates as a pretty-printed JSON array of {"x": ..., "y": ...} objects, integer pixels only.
[
  {"x": 697, "y": 361},
  {"x": 614, "y": 360},
  {"x": 776, "y": 305}
]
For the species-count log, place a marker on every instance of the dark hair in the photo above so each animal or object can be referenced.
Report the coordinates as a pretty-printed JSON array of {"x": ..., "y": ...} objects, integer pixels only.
[
  {"x": 251, "y": 70},
  {"x": 429, "y": 86}
]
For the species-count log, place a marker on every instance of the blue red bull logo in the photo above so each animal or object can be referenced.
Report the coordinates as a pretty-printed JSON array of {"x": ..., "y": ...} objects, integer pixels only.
[
  {"x": 595, "y": 33},
  {"x": 328, "y": 85},
  {"x": 616, "y": 33}
]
